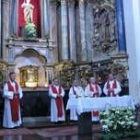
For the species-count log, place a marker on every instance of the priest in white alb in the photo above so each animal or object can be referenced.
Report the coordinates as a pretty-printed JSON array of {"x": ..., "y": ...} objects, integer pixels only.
[
  {"x": 76, "y": 91},
  {"x": 57, "y": 93},
  {"x": 93, "y": 90},
  {"x": 12, "y": 94},
  {"x": 112, "y": 87}
]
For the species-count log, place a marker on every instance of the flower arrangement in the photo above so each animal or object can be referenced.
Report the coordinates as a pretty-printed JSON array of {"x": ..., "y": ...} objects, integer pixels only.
[
  {"x": 120, "y": 119},
  {"x": 118, "y": 123}
]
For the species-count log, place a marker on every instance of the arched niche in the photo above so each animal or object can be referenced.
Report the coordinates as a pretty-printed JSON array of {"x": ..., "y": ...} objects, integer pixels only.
[
  {"x": 36, "y": 15},
  {"x": 40, "y": 17},
  {"x": 31, "y": 57}
]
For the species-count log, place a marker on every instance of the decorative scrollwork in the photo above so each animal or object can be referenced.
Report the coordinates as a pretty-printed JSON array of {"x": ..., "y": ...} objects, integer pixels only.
[
  {"x": 104, "y": 33},
  {"x": 3, "y": 72},
  {"x": 64, "y": 71}
]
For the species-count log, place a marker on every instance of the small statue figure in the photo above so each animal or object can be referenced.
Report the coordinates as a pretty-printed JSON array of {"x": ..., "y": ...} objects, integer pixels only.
[
  {"x": 28, "y": 11},
  {"x": 30, "y": 28}
]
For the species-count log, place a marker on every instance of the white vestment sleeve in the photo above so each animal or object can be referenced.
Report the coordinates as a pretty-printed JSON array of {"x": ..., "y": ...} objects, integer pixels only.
[
  {"x": 82, "y": 92},
  {"x": 105, "y": 90},
  {"x": 7, "y": 94},
  {"x": 20, "y": 92},
  {"x": 63, "y": 92},
  {"x": 118, "y": 89},
  {"x": 71, "y": 94},
  {"x": 88, "y": 92},
  {"x": 52, "y": 94}
]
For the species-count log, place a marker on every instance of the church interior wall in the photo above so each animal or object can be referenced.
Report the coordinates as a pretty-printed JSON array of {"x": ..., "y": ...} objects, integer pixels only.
[
  {"x": 100, "y": 43},
  {"x": 31, "y": 58},
  {"x": 101, "y": 59},
  {"x": 55, "y": 32}
]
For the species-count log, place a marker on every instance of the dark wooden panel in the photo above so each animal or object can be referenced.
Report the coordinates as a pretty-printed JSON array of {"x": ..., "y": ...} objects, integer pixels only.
[{"x": 37, "y": 103}]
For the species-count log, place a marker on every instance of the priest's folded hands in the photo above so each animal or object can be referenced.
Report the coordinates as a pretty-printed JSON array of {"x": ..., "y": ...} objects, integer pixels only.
[
  {"x": 59, "y": 96},
  {"x": 16, "y": 93}
]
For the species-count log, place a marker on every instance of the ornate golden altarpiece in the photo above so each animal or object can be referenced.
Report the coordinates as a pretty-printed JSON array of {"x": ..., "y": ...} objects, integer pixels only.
[
  {"x": 29, "y": 76},
  {"x": 3, "y": 72}
]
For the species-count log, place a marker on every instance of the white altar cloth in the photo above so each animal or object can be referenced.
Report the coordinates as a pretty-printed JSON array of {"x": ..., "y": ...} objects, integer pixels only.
[{"x": 88, "y": 104}]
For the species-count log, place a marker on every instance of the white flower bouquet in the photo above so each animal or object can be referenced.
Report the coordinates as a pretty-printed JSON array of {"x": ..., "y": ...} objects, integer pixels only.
[{"x": 121, "y": 119}]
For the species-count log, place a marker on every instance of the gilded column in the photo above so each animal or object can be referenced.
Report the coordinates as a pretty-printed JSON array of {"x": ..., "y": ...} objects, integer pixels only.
[
  {"x": 5, "y": 26},
  {"x": 72, "y": 33},
  {"x": 82, "y": 30},
  {"x": 64, "y": 30}
]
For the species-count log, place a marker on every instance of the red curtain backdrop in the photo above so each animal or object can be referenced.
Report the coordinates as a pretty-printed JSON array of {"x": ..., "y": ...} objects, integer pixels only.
[{"x": 36, "y": 17}]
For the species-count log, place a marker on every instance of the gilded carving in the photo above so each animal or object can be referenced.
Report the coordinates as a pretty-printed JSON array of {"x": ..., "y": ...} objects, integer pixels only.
[
  {"x": 104, "y": 33},
  {"x": 64, "y": 71},
  {"x": 3, "y": 72}
]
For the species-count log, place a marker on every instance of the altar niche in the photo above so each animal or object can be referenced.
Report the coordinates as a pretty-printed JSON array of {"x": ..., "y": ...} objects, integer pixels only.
[
  {"x": 29, "y": 76},
  {"x": 29, "y": 13},
  {"x": 30, "y": 68}
]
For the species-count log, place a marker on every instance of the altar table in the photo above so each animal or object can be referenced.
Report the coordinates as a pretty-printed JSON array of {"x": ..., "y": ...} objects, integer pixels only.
[
  {"x": 89, "y": 104},
  {"x": 84, "y": 107}
]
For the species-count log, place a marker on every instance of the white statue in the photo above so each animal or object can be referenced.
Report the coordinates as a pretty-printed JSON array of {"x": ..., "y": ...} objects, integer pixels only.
[{"x": 28, "y": 11}]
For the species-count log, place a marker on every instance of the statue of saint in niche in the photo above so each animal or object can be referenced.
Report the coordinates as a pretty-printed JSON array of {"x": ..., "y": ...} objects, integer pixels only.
[
  {"x": 105, "y": 24},
  {"x": 28, "y": 11}
]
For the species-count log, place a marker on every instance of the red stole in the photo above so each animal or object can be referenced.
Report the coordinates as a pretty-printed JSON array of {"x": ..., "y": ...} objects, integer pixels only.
[
  {"x": 94, "y": 113},
  {"x": 114, "y": 86},
  {"x": 59, "y": 101},
  {"x": 96, "y": 89},
  {"x": 14, "y": 103}
]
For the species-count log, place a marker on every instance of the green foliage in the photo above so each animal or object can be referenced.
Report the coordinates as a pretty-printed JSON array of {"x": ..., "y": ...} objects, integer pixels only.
[
  {"x": 120, "y": 119},
  {"x": 30, "y": 30},
  {"x": 118, "y": 123}
]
